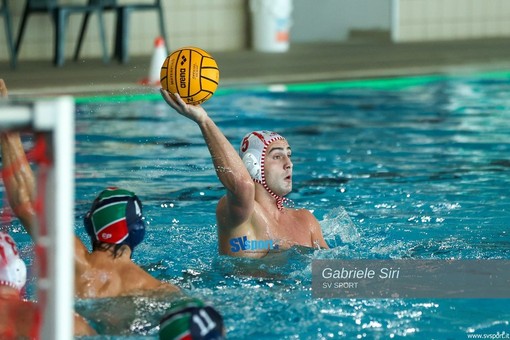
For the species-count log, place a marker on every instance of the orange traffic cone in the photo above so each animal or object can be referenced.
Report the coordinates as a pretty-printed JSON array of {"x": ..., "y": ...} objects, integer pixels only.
[{"x": 158, "y": 58}]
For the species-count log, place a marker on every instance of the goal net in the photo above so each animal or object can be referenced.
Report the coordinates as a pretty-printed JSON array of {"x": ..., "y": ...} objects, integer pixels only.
[{"x": 52, "y": 120}]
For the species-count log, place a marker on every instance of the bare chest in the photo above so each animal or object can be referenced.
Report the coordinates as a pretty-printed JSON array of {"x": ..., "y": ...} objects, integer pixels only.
[{"x": 288, "y": 228}]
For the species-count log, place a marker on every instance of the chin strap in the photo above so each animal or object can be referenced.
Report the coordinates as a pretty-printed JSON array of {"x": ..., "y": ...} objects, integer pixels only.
[
  {"x": 280, "y": 200},
  {"x": 284, "y": 202}
]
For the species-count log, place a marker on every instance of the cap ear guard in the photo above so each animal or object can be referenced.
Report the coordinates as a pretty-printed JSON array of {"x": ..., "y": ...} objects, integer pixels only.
[
  {"x": 88, "y": 227},
  {"x": 19, "y": 273},
  {"x": 136, "y": 226},
  {"x": 252, "y": 165},
  {"x": 253, "y": 152},
  {"x": 13, "y": 271},
  {"x": 87, "y": 219}
]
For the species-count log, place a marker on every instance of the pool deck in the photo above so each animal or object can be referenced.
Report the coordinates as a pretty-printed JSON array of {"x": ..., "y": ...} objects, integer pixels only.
[{"x": 355, "y": 59}]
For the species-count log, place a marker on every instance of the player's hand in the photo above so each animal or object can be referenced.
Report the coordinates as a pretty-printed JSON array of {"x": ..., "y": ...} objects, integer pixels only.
[
  {"x": 3, "y": 89},
  {"x": 193, "y": 112}
]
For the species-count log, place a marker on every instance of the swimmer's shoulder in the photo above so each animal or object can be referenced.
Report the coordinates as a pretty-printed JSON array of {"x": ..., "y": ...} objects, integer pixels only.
[
  {"x": 301, "y": 212},
  {"x": 141, "y": 280},
  {"x": 305, "y": 217}
]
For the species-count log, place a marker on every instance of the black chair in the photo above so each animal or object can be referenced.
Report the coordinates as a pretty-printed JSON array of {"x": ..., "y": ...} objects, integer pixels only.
[
  {"x": 106, "y": 5},
  {"x": 123, "y": 12},
  {"x": 59, "y": 14},
  {"x": 4, "y": 11},
  {"x": 121, "y": 51}
]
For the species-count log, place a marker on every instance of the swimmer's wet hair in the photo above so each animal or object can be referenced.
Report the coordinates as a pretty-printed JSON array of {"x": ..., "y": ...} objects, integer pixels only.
[{"x": 118, "y": 249}]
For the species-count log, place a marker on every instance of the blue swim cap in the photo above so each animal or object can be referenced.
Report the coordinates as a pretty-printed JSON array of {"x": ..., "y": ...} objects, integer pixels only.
[{"x": 115, "y": 217}]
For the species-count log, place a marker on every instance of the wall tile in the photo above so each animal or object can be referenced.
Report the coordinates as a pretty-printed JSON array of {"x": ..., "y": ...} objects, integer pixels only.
[
  {"x": 223, "y": 25},
  {"x": 454, "y": 19}
]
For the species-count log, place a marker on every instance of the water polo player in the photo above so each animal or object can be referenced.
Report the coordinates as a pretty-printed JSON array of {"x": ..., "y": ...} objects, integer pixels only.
[
  {"x": 251, "y": 218},
  {"x": 114, "y": 224},
  {"x": 19, "y": 318}
]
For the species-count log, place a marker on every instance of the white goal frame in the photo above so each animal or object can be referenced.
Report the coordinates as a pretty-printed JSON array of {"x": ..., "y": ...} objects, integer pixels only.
[{"x": 54, "y": 118}]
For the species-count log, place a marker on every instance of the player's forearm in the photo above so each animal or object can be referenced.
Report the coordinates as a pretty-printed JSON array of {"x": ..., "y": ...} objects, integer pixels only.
[
  {"x": 18, "y": 179},
  {"x": 227, "y": 163}
]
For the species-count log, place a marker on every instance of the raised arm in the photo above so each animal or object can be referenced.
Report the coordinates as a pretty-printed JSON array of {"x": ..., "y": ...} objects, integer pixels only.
[
  {"x": 19, "y": 181},
  {"x": 17, "y": 175},
  {"x": 227, "y": 163}
]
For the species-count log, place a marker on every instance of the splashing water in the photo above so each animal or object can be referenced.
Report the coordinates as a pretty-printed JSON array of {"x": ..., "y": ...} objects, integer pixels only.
[{"x": 338, "y": 228}]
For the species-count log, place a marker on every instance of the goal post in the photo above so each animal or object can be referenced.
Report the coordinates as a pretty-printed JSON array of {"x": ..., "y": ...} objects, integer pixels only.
[{"x": 54, "y": 244}]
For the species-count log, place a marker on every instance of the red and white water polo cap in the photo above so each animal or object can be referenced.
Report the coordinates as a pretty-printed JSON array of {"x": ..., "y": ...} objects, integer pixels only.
[
  {"x": 13, "y": 271},
  {"x": 253, "y": 152}
]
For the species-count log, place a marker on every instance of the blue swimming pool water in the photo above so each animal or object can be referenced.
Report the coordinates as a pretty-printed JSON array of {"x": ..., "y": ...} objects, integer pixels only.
[{"x": 402, "y": 168}]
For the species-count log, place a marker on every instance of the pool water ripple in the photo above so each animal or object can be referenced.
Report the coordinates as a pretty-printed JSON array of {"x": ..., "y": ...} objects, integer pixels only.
[{"x": 418, "y": 172}]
